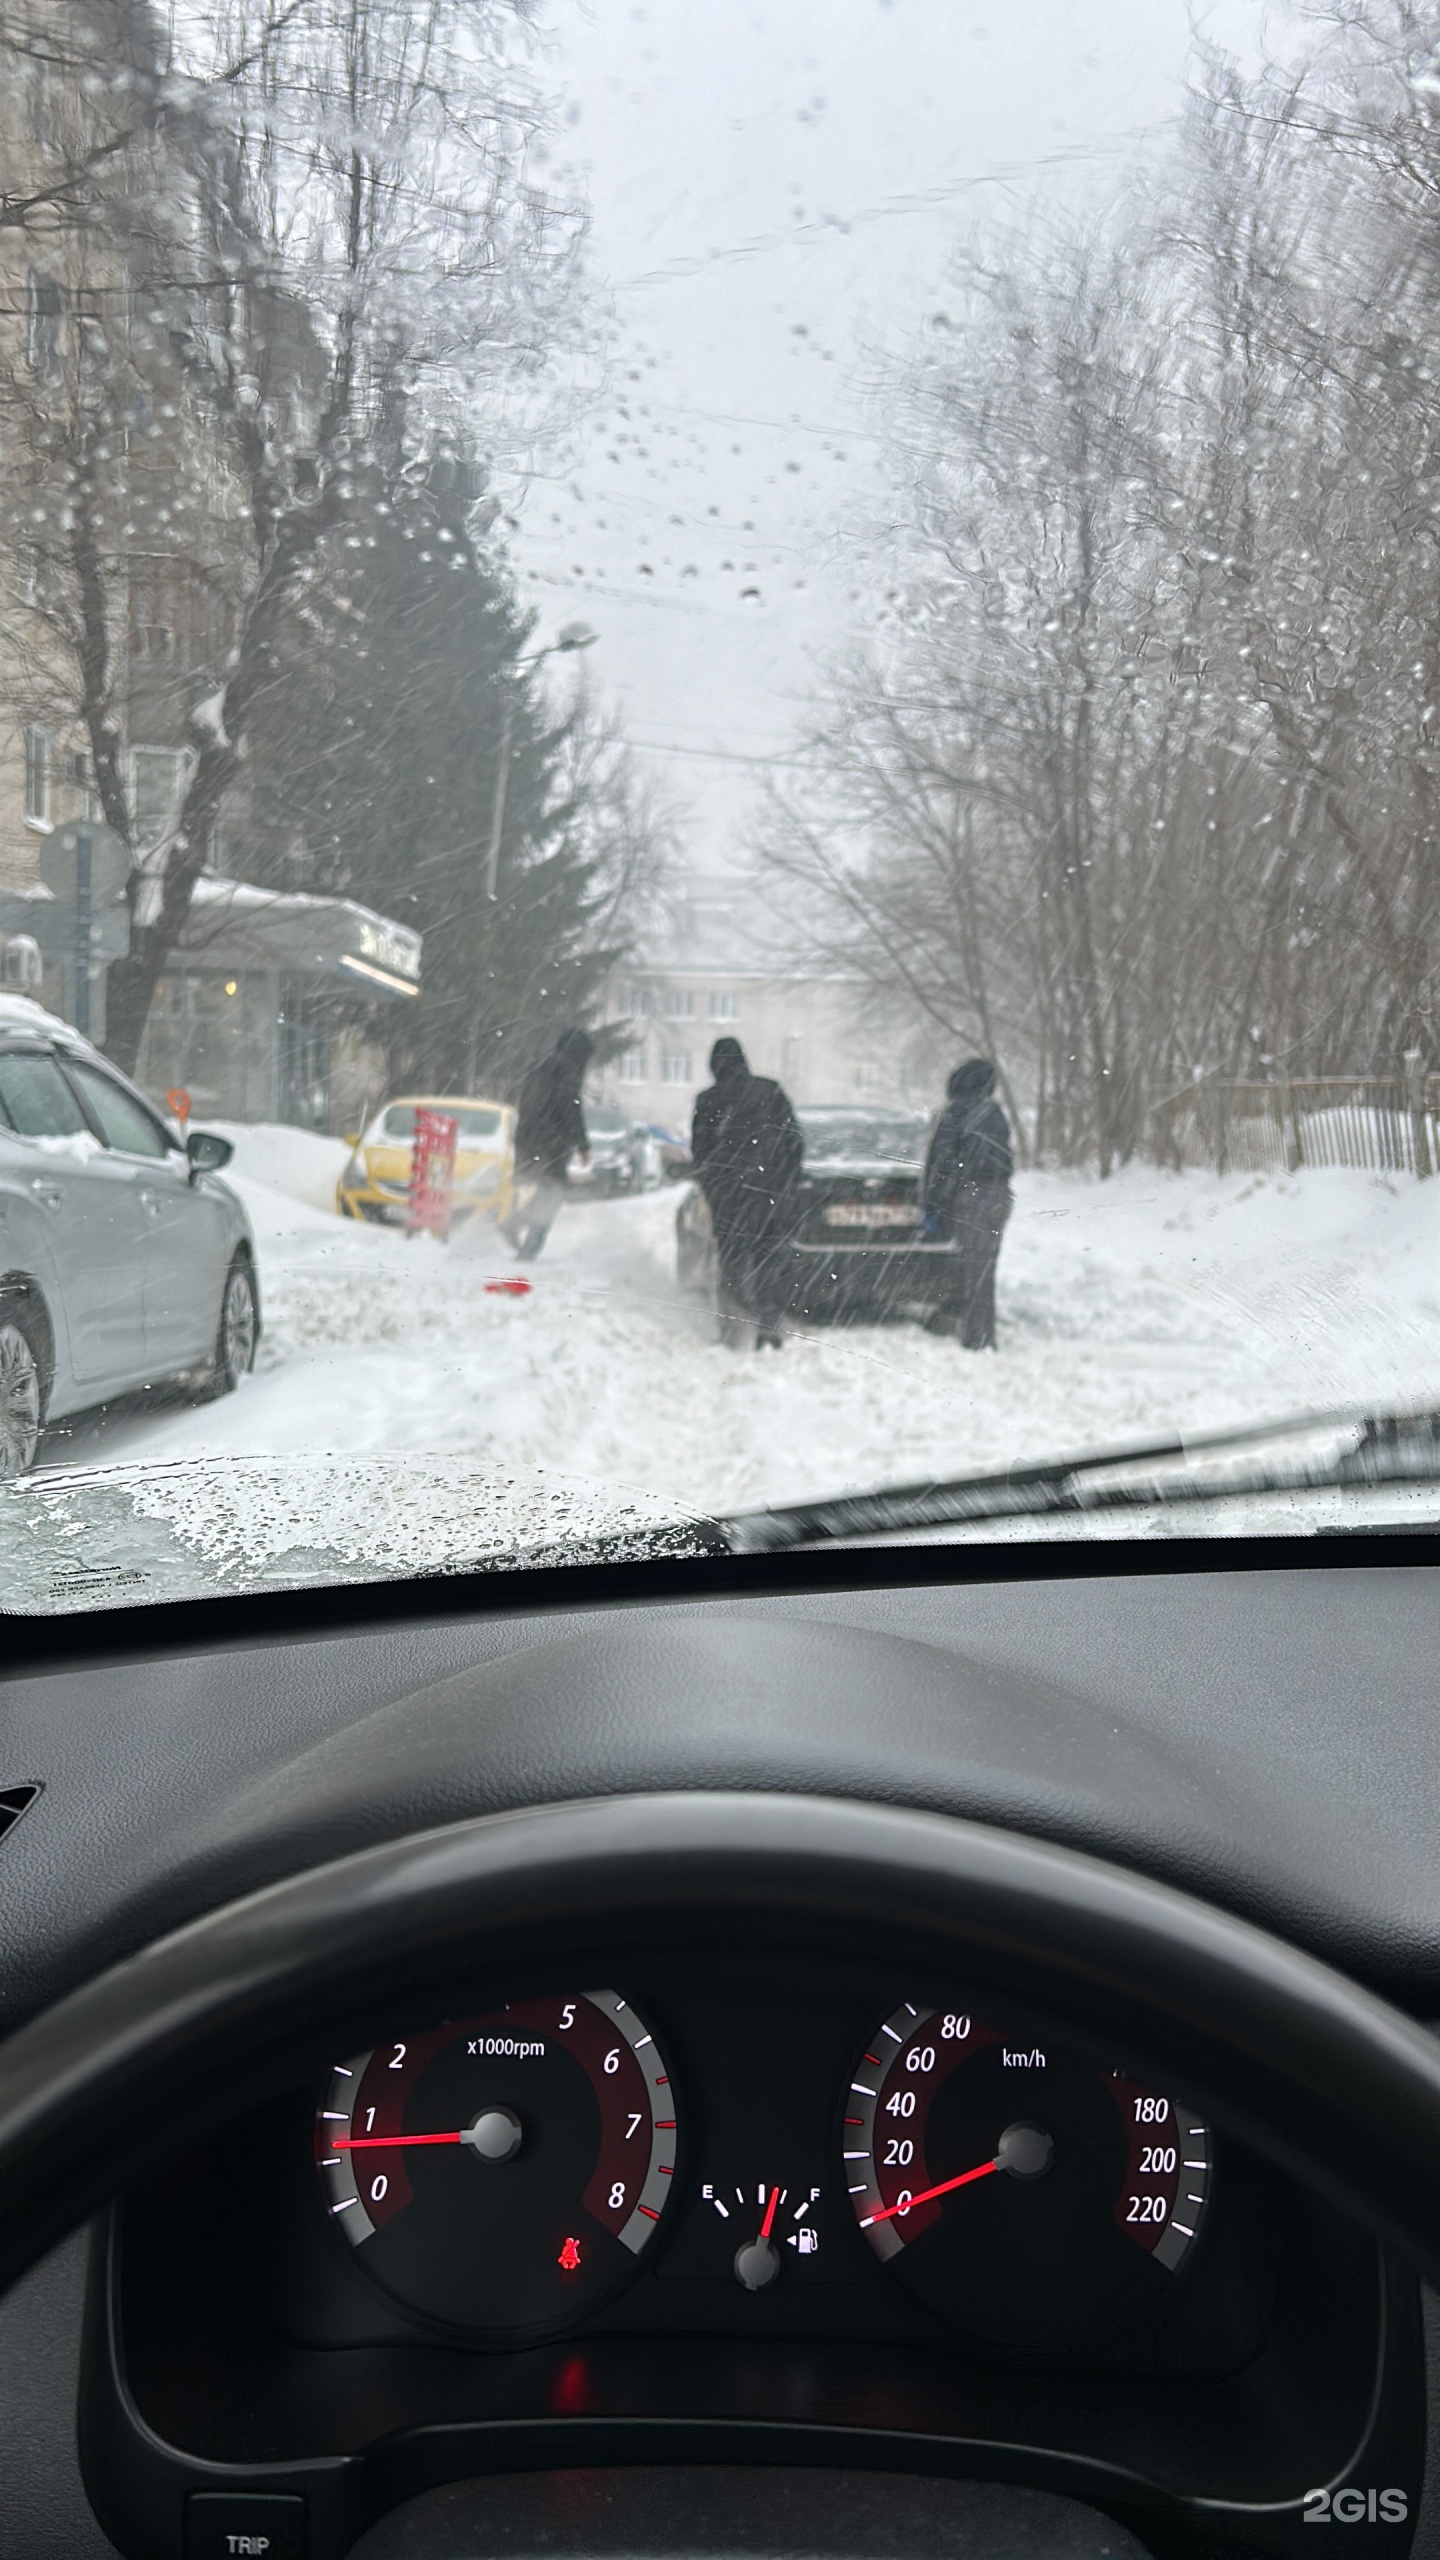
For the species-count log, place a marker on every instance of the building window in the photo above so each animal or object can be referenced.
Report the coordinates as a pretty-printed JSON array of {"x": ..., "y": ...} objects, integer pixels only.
[
  {"x": 93, "y": 346},
  {"x": 154, "y": 613},
  {"x": 159, "y": 779},
  {"x": 82, "y": 782},
  {"x": 176, "y": 617},
  {"x": 39, "y": 99},
  {"x": 724, "y": 1008},
  {"x": 632, "y": 1066},
  {"x": 675, "y": 1066},
  {"x": 632, "y": 1003},
  {"x": 42, "y": 324},
  {"x": 677, "y": 1004},
  {"x": 37, "y": 778}
]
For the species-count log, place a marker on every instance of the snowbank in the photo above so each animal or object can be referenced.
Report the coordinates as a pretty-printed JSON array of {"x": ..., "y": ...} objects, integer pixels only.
[
  {"x": 297, "y": 1162},
  {"x": 1153, "y": 1302}
]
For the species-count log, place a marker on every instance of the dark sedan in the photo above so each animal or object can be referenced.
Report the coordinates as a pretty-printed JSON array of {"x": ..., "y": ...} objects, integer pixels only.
[{"x": 859, "y": 1250}]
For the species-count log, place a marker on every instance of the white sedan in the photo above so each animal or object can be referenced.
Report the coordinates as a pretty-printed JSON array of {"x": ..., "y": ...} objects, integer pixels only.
[{"x": 122, "y": 1259}]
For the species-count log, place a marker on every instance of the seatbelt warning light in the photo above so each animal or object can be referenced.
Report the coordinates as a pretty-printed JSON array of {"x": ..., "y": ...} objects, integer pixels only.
[{"x": 570, "y": 2256}]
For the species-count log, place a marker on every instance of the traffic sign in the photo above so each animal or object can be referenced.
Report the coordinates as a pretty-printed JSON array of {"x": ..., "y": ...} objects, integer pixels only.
[{"x": 63, "y": 860}]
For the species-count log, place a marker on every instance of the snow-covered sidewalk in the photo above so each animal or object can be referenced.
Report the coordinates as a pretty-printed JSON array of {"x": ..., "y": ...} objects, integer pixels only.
[{"x": 1151, "y": 1302}]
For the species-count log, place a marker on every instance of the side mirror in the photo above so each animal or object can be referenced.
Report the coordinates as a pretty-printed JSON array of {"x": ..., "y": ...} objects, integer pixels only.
[
  {"x": 351, "y": 1140},
  {"x": 207, "y": 1151}
]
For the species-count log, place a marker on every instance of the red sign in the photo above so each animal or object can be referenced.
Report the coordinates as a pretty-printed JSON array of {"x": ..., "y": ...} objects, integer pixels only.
[
  {"x": 432, "y": 1172},
  {"x": 178, "y": 1101}
]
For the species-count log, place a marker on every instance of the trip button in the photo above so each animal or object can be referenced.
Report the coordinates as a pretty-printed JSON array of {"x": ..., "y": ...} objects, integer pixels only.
[{"x": 221, "y": 2526}]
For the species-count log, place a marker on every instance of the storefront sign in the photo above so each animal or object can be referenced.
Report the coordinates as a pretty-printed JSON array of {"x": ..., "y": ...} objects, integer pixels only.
[{"x": 390, "y": 946}]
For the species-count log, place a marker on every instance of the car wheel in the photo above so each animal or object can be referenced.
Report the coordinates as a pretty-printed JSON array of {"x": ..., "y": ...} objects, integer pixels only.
[
  {"x": 22, "y": 1396},
  {"x": 239, "y": 1328}
]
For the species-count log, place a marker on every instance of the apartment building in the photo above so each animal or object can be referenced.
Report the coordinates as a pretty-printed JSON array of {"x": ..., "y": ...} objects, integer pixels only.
[
  {"x": 715, "y": 965},
  {"x": 122, "y": 527},
  {"x": 125, "y": 551}
]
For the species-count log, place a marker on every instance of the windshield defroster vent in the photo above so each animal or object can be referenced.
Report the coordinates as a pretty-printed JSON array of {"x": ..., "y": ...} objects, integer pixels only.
[{"x": 13, "y": 1802}]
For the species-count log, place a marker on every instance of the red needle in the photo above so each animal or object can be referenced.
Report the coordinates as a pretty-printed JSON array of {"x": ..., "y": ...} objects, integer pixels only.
[
  {"x": 392, "y": 2141},
  {"x": 986, "y": 2169},
  {"x": 769, "y": 2213}
]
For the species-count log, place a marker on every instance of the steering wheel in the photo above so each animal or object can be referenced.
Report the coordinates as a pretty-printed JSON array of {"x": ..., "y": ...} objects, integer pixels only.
[{"x": 1308, "y": 2067}]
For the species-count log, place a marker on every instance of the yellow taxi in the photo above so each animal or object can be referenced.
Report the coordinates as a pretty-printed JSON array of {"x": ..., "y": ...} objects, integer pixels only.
[{"x": 376, "y": 1182}]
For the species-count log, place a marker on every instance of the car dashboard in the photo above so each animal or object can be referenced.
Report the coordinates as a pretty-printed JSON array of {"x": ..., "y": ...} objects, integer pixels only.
[
  {"x": 740, "y": 2218},
  {"x": 736, "y": 2207}
]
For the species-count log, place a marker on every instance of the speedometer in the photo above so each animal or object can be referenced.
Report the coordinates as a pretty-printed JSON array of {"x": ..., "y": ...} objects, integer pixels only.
[
  {"x": 1016, "y": 2187},
  {"x": 503, "y": 2173}
]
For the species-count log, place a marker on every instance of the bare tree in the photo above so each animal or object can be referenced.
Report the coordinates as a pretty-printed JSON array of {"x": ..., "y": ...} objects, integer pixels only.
[
  {"x": 1141, "y": 782},
  {"x": 323, "y": 255}
]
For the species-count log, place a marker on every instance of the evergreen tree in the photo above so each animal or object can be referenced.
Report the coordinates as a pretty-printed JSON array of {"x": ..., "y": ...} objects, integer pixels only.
[{"x": 406, "y": 714}]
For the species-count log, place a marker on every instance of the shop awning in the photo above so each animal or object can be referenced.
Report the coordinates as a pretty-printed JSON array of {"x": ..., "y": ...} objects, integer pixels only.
[{"x": 232, "y": 924}]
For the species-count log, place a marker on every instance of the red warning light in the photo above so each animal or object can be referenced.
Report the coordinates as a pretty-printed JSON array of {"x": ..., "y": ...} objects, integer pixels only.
[{"x": 570, "y": 2256}]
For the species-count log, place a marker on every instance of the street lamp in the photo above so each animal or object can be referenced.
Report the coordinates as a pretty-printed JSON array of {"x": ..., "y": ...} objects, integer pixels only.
[{"x": 573, "y": 636}]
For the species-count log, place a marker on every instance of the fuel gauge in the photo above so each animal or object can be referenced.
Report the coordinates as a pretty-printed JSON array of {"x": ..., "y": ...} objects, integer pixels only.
[{"x": 766, "y": 2222}]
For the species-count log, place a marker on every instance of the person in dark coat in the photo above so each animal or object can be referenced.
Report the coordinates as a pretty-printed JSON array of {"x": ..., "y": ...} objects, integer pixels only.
[
  {"x": 549, "y": 1130},
  {"x": 966, "y": 1196},
  {"x": 745, "y": 1146}
]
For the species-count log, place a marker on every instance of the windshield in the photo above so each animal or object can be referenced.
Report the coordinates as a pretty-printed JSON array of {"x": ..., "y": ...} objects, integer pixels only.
[
  {"x": 808, "y": 632},
  {"x": 880, "y": 1137}
]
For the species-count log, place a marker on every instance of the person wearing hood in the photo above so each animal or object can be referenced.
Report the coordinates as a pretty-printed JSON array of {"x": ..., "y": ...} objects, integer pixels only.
[
  {"x": 745, "y": 1147},
  {"x": 966, "y": 1196},
  {"x": 549, "y": 1130}
]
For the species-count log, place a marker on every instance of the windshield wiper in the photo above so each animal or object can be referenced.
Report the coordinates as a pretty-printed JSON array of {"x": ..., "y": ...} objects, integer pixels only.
[
  {"x": 82, "y": 1539},
  {"x": 1334, "y": 1451}
]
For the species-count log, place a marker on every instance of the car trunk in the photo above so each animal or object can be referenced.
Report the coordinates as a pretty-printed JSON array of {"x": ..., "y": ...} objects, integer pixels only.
[{"x": 859, "y": 1205}]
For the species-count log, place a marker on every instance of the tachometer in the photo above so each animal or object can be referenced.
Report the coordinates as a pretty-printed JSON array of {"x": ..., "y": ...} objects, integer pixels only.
[
  {"x": 1017, "y": 2188},
  {"x": 503, "y": 2173}
]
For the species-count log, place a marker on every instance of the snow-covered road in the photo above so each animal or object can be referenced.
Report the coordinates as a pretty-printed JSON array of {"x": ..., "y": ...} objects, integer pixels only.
[{"x": 1149, "y": 1302}]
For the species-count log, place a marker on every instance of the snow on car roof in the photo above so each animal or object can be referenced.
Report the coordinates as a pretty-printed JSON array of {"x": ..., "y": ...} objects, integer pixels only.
[
  {"x": 444, "y": 1102},
  {"x": 823, "y": 1111},
  {"x": 21, "y": 1013}
]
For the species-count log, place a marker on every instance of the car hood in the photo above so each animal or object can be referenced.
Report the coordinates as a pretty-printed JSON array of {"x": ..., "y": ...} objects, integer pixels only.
[
  {"x": 73, "y": 1539},
  {"x": 199, "y": 1528}
]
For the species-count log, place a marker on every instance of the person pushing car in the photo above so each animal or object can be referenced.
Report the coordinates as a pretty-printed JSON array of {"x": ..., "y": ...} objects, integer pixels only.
[
  {"x": 746, "y": 1149},
  {"x": 549, "y": 1130},
  {"x": 966, "y": 1197}
]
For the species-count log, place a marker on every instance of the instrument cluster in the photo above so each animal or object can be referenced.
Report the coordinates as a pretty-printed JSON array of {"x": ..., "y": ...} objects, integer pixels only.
[
  {"x": 503, "y": 2177},
  {"x": 746, "y": 2205}
]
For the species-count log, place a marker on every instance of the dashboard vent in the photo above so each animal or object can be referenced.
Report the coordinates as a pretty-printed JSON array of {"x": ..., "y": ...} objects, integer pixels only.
[{"x": 13, "y": 1802}]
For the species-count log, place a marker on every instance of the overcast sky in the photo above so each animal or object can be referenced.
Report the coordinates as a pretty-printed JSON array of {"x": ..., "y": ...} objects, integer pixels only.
[{"x": 774, "y": 189}]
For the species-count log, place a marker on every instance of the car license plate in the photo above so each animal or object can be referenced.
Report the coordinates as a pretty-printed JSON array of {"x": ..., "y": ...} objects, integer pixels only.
[{"x": 872, "y": 1213}]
